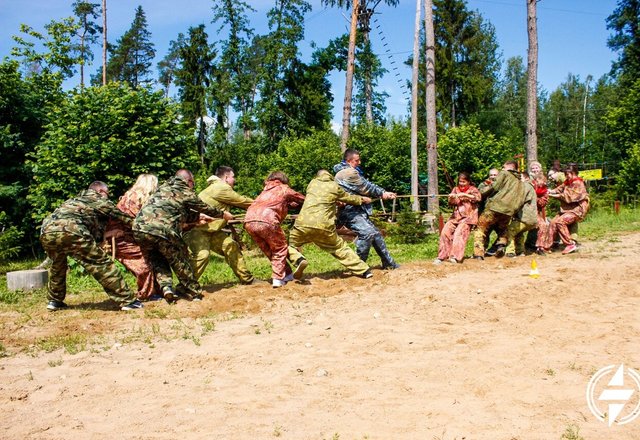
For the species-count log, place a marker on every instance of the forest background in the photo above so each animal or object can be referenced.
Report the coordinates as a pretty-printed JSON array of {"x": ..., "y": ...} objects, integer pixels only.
[{"x": 252, "y": 101}]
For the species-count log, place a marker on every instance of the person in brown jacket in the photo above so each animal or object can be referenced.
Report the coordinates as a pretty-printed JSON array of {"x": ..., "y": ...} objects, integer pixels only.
[
  {"x": 263, "y": 220},
  {"x": 574, "y": 205}
]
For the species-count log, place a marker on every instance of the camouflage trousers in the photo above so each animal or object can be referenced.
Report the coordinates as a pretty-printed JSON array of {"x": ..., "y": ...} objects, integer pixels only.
[
  {"x": 201, "y": 243},
  {"x": 368, "y": 235},
  {"x": 166, "y": 255},
  {"x": 331, "y": 242},
  {"x": 516, "y": 236},
  {"x": 60, "y": 245},
  {"x": 487, "y": 219}
]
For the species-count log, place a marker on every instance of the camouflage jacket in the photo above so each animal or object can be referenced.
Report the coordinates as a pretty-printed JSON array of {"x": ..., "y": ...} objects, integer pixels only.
[
  {"x": 319, "y": 208},
  {"x": 85, "y": 215},
  {"x": 173, "y": 204},
  {"x": 353, "y": 182},
  {"x": 220, "y": 195},
  {"x": 506, "y": 194},
  {"x": 528, "y": 214}
]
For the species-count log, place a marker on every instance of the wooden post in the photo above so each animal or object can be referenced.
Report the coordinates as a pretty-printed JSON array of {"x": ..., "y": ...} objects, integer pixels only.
[
  {"x": 414, "y": 111},
  {"x": 532, "y": 82},
  {"x": 432, "y": 137},
  {"x": 348, "y": 88},
  {"x": 616, "y": 207}
]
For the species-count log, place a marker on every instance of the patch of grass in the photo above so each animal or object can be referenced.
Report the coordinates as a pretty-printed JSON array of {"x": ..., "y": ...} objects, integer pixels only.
[
  {"x": 208, "y": 325},
  {"x": 10, "y": 297},
  {"x": 572, "y": 432},
  {"x": 3, "y": 351},
  {"x": 550, "y": 372},
  {"x": 156, "y": 312},
  {"x": 72, "y": 344},
  {"x": 268, "y": 325},
  {"x": 232, "y": 315},
  {"x": 55, "y": 363},
  {"x": 602, "y": 222}
]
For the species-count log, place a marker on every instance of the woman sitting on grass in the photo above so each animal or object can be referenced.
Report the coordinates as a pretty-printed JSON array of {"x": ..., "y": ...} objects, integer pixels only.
[{"x": 453, "y": 238}]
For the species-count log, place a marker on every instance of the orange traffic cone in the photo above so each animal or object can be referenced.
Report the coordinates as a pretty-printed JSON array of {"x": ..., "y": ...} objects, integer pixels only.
[{"x": 533, "y": 273}]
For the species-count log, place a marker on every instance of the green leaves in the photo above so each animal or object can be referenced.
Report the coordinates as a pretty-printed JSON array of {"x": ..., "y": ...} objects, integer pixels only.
[
  {"x": 468, "y": 148},
  {"x": 110, "y": 133}
]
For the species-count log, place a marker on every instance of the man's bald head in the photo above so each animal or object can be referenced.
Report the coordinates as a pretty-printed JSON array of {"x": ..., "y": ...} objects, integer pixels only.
[
  {"x": 100, "y": 187},
  {"x": 186, "y": 175}
]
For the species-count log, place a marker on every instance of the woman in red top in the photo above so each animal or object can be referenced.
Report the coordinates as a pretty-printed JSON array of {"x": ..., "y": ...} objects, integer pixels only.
[
  {"x": 540, "y": 185},
  {"x": 263, "y": 220},
  {"x": 125, "y": 248},
  {"x": 453, "y": 238}
]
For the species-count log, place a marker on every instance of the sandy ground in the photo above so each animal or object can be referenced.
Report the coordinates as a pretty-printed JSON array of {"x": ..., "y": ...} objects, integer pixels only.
[{"x": 473, "y": 351}]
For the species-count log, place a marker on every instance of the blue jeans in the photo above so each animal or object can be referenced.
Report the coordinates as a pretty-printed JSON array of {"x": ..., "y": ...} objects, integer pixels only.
[{"x": 368, "y": 235}]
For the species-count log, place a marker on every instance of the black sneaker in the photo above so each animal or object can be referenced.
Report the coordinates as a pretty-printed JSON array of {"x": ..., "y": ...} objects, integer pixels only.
[
  {"x": 478, "y": 257},
  {"x": 491, "y": 252},
  {"x": 499, "y": 251},
  {"x": 133, "y": 305},
  {"x": 511, "y": 255},
  {"x": 367, "y": 274},
  {"x": 301, "y": 265},
  {"x": 54, "y": 305}
]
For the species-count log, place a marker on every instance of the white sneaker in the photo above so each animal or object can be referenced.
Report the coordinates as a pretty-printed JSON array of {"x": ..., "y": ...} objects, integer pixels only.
[
  {"x": 278, "y": 283},
  {"x": 437, "y": 261}
]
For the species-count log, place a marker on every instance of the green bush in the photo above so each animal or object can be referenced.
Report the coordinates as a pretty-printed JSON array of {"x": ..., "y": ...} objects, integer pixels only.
[
  {"x": 468, "y": 148},
  {"x": 111, "y": 133},
  {"x": 408, "y": 229},
  {"x": 10, "y": 243},
  {"x": 386, "y": 154}
]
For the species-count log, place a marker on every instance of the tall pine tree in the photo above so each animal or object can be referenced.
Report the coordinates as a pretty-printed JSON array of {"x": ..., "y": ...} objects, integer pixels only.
[
  {"x": 132, "y": 56},
  {"x": 193, "y": 79}
]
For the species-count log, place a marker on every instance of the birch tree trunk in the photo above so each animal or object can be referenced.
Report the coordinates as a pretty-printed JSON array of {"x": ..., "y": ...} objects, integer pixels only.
[
  {"x": 348, "y": 88},
  {"x": 432, "y": 136},
  {"x": 532, "y": 82},
  {"x": 368, "y": 89},
  {"x": 414, "y": 111},
  {"x": 104, "y": 42}
]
